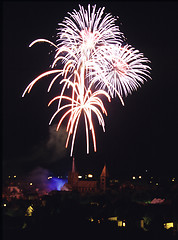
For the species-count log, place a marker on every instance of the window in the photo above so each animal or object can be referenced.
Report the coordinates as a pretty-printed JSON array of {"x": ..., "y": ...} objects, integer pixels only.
[{"x": 168, "y": 225}]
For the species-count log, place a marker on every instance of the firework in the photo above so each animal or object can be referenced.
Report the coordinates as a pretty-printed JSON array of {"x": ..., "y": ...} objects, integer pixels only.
[
  {"x": 95, "y": 63},
  {"x": 81, "y": 103},
  {"x": 122, "y": 69}
]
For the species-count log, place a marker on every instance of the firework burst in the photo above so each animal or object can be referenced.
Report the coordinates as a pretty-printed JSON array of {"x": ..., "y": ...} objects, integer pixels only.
[
  {"x": 95, "y": 63},
  {"x": 122, "y": 69}
]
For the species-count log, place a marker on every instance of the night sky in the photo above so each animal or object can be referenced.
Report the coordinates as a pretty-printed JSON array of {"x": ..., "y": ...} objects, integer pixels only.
[{"x": 141, "y": 135}]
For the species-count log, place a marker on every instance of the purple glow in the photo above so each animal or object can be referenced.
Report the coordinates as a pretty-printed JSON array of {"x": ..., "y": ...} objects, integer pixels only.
[{"x": 56, "y": 183}]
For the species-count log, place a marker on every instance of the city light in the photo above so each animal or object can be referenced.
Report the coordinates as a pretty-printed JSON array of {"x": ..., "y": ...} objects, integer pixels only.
[
  {"x": 29, "y": 211},
  {"x": 112, "y": 218},
  {"x": 58, "y": 185},
  {"x": 90, "y": 175},
  {"x": 121, "y": 223},
  {"x": 91, "y": 219},
  {"x": 168, "y": 225}
]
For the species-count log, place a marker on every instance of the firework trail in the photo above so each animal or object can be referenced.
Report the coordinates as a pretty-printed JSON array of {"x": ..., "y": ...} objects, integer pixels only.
[{"x": 95, "y": 63}]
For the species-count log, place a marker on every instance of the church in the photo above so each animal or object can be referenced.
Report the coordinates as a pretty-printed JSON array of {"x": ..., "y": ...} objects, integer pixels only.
[{"x": 83, "y": 186}]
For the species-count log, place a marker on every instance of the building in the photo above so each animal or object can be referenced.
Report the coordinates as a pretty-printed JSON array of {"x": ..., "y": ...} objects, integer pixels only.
[
  {"x": 12, "y": 192},
  {"x": 82, "y": 186},
  {"x": 103, "y": 179}
]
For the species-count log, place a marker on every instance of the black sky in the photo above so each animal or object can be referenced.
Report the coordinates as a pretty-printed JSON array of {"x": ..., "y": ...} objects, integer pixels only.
[{"x": 141, "y": 135}]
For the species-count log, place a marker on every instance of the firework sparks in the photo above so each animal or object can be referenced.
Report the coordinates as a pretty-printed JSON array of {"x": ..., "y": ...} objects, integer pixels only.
[
  {"x": 95, "y": 63},
  {"x": 122, "y": 69},
  {"x": 86, "y": 103}
]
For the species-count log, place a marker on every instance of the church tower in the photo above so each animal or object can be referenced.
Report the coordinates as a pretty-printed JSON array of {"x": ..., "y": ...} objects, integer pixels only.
[
  {"x": 73, "y": 176},
  {"x": 103, "y": 179}
]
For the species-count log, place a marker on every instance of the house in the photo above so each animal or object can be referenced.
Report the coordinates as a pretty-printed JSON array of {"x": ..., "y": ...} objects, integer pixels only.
[{"x": 14, "y": 192}]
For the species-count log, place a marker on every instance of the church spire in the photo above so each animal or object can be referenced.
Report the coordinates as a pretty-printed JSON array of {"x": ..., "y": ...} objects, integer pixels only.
[
  {"x": 73, "y": 176},
  {"x": 103, "y": 178},
  {"x": 73, "y": 165},
  {"x": 104, "y": 172}
]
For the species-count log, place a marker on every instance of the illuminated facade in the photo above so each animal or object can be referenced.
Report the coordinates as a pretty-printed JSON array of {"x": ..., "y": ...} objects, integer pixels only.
[{"x": 87, "y": 185}]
